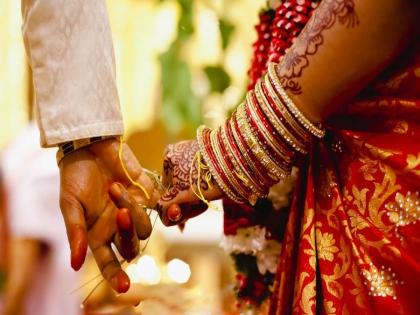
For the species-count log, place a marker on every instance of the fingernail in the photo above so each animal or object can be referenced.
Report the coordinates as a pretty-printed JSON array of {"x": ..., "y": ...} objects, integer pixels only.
[
  {"x": 78, "y": 252},
  {"x": 124, "y": 219},
  {"x": 120, "y": 282},
  {"x": 174, "y": 212},
  {"x": 115, "y": 190}
]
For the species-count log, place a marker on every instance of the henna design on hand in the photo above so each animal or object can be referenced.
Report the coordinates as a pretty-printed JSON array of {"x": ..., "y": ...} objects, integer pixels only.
[
  {"x": 180, "y": 168},
  {"x": 297, "y": 58}
]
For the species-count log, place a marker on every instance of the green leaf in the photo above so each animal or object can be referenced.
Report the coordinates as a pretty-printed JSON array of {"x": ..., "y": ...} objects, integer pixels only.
[
  {"x": 218, "y": 78},
  {"x": 181, "y": 108},
  {"x": 226, "y": 31},
  {"x": 186, "y": 23}
]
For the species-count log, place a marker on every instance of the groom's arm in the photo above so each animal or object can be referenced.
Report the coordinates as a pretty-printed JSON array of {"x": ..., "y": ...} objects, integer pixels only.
[
  {"x": 69, "y": 46},
  {"x": 70, "y": 50}
]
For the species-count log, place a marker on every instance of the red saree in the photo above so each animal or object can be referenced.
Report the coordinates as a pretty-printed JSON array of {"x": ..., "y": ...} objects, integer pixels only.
[{"x": 352, "y": 241}]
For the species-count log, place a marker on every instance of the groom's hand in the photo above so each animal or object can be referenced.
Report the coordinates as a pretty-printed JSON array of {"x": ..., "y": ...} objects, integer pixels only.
[
  {"x": 90, "y": 215},
  {"x": 180, "y": 176}
]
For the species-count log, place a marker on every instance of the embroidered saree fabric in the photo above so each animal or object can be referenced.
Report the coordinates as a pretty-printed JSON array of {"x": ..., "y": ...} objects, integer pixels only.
[{"x": 352, "y": 240}]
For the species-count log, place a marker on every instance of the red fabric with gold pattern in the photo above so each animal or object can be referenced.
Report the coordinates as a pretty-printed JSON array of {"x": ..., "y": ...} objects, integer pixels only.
[{"x": 352, "y": 240}]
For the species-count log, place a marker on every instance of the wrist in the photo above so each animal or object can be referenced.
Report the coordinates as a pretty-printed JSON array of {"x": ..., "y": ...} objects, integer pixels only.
[
  {"x": 258, "y": 145},
  {"x": 65, "y": 149}
]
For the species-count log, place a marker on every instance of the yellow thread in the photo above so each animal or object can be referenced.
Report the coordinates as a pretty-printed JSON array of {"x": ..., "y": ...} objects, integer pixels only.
[
  {"x": 156, "y": 179},
  {"x": 126, "y": 172},
  {"x": 207, "y": 177},
  {"x": 242, "y": 178},
  {"x": 199, "y": 194}
]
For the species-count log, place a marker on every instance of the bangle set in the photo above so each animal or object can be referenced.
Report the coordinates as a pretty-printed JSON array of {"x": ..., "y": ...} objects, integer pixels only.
[{"x": 256, "y": 147}]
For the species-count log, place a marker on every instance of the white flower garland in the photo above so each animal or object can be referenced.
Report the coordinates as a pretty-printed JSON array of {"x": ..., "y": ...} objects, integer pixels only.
[
  {"x": 253, "y": 241},
  {"x": 279, "y": 194},
  {"x": 248, "y": 240}
]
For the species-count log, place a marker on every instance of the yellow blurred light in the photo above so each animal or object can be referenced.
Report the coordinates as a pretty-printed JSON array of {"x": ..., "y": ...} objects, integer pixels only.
[
  {"x": 179, "y": 271},
  {"x": 166, "y": 19},
  {"x": 133, "y": 274},
  {"x": 145, "y": 271}
]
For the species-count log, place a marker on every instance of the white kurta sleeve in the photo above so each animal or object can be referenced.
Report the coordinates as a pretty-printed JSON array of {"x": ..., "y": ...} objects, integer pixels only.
[{"x": 69, "y": 46}]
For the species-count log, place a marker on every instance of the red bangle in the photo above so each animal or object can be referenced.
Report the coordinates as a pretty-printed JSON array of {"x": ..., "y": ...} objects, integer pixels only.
[
  {"x": 278, "y": 125},
  {"x": 273, "y": 155},
  {"x": 237, "y": 153},
  {"x": 245, "y": 191},
  {"x": 254, "y": 164},
  {"x": 224, "y": 183},
  {"x": 280, "y": 115},
  {"x": 287, "y": 153}
]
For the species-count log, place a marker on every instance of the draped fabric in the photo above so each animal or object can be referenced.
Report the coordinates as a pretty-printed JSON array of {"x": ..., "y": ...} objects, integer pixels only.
[
  {"x": 69, "y": 47},
  {"x": 352, "y": 239}
]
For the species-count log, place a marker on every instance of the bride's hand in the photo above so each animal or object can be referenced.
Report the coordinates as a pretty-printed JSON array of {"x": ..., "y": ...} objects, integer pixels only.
[
  {"x": 180, "y": 200},
  {"x": 90, "y": 215}
]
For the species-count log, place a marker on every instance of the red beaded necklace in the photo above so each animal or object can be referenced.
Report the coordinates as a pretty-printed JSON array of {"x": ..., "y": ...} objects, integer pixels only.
[{"x": 276, "y": 31}]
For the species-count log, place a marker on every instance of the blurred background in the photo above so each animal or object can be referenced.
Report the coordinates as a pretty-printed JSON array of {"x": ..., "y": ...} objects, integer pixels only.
[{"x": 180, "y": 63}]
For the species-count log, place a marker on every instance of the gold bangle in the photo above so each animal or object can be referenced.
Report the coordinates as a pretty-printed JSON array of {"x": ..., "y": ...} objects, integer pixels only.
[
  {"x": 200, "y": 131},
  {"x": 317, "y": 132},
  {"x": 265, "y": 132},
  {"x": 256, "y": 148},
  {"x": 286, "y": 114},
  {"x": 225, "y": 168},
  {"x": 277, "y": 124},
  {"x": 239, "y": 168},
  {"x": 66, "y": 148},
  {"x": 248, "y": 159}
]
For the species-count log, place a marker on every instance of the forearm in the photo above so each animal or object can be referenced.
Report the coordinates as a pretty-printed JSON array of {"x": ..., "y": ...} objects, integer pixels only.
[
  {"x": 344, "y": 46},
  {"x": 70, "y": 50},
  {"x": 24, "y": 254}
]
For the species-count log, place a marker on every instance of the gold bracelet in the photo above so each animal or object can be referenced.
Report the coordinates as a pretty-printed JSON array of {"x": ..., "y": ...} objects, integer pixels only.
[
  {"x": 277, "y": 124},
  {"x": 247, "y": 178},
  {"x": 66, "y": 148},
  {"x": 200, "y": 133},
  {"x": 256, "y": 148},
  {"x": 253, "y": 168},
  {"x": 225, "y": 168},
  {"x": 265, "y": 132},
  {"x": 286, "y": 114},
  {"x": 239, "y": 168},
  {"x": 317, "y": 132}
]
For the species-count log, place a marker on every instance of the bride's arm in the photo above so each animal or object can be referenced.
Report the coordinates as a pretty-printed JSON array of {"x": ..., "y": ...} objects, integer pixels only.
[{"x": 344, "y": 46}]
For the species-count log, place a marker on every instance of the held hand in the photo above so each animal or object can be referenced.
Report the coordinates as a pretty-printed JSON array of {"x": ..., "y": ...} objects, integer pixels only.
[
  {"x": 90, "y": 215},
  {"x": 185, "y": 178}
]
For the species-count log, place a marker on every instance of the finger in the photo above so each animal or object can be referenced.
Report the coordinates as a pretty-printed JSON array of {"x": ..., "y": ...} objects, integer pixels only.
[
  {"x": 136, "y": 172},
  {"x": 179, "y": 208},
  {"x": 167, "y": 171},
  {"x": 100, "y": 236},
  {"x": 178, "y": 214},
  {"x": 181, "y": 226},
  {"x": 123, "y": 199},
  {"x": 126, "y": 239},
  {"x": 151, "y": 189},
  {"x": 110, "y": 268},
  {"x": 174, "y": 212},
  {"x": 127, "y": 165},
  {"x": 74, "y": 220}
]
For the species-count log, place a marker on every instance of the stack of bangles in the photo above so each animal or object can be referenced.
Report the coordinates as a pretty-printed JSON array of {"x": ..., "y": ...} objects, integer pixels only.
[{"x": 256, "y": 147}]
